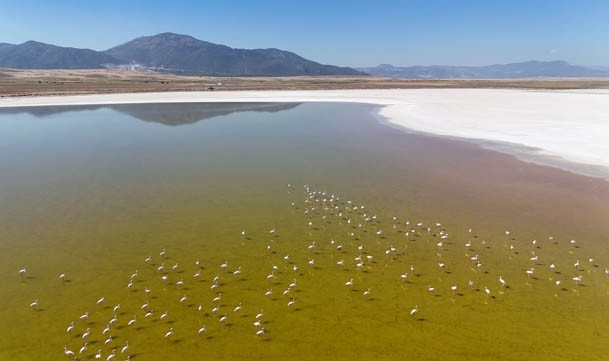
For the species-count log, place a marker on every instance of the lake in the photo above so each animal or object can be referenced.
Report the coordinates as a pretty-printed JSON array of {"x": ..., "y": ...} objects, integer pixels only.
[{"x": 288, "y": 231}]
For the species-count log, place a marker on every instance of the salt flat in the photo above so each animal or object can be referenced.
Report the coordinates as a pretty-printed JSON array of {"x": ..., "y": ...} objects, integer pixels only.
[{"x": 567, "y": 129}]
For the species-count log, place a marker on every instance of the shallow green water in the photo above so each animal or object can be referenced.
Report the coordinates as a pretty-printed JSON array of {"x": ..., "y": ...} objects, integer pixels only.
[{"x": 94, "y": 191}]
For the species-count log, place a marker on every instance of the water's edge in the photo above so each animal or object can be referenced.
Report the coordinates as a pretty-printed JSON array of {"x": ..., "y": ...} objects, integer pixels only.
[{"x": 520, "y": 151}]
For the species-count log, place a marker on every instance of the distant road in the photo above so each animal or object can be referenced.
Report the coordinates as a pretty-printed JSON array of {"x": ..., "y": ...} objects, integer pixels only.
[{"x": 71, "y": 82}]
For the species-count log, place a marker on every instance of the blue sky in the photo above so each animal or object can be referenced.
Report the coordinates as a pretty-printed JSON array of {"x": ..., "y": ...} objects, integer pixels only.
[{"x": 351, "y": 33}]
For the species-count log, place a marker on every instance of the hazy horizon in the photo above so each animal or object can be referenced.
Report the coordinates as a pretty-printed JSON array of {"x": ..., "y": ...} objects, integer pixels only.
[{"x": 356, "y": 34}]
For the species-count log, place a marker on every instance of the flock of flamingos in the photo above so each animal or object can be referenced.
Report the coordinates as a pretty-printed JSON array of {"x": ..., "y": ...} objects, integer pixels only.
[{"x": 340, "y": 237}]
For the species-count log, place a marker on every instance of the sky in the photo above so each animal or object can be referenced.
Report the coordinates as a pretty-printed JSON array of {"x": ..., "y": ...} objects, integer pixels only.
[{"x": 348, "y": 33}]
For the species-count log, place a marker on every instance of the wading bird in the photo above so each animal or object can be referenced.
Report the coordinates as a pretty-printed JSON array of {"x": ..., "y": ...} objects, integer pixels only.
[{"x": 125, "y": 348}]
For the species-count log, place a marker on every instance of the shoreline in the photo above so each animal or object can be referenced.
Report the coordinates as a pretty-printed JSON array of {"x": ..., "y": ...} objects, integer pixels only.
[{"x": 556, "y": 128}]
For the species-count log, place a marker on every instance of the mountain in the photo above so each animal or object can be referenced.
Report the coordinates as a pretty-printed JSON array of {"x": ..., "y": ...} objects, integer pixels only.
[
  {"x": 528, "y": 69},
  {"x": 168, "y": 52},
  {"x": 36, "y": 55},
  {"x": 183, "y": 54}
]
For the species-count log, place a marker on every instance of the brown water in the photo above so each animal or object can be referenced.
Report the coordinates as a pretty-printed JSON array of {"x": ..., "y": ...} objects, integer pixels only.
[{"x": 92, "y": 191}]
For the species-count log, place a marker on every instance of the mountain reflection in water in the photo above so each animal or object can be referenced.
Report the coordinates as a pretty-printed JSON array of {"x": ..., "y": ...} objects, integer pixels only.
[{"x": 172, "y": 114}]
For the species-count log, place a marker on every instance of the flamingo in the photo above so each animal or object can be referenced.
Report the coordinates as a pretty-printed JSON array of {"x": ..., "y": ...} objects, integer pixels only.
[
  {"x": 108, "y": 340},
  {"x": 67, "y": 352},
  {"x": 112, "y": 355}
]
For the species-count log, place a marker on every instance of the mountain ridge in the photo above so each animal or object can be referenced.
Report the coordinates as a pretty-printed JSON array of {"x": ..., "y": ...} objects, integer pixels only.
[
  {"x": 168, "y": 52},
  {"x": 526, "y": 69},
  {"x": 186, "y": 54},
  {"x": 36, "y": 55}
]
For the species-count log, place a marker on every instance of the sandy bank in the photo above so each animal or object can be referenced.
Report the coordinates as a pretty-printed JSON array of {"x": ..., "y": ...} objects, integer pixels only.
[{"x": 567, "y": 129}]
